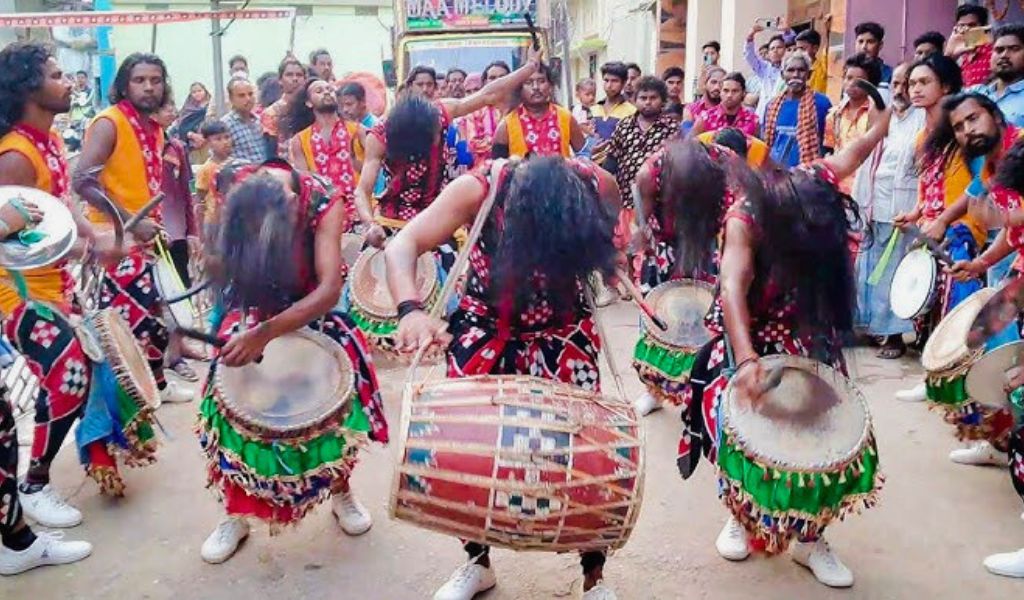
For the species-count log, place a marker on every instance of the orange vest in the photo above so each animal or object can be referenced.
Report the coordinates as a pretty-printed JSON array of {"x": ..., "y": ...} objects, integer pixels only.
[
  {"x": 517, "y": 141},
  {"x": 306, "y": 136},
  {"x": 45, "y": 284},
  {"x": 124, "y": 174}
]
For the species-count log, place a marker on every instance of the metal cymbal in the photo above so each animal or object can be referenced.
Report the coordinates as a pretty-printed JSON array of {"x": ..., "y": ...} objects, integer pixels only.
[
  {"x": 997, "y": 314},
  {"x": 57, "y": 229}
]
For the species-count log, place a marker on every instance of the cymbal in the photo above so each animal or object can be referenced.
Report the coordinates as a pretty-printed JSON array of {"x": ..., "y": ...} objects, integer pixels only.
[
  {"x": 997, "y": 314},
  {"x": 57, "y": 230}
]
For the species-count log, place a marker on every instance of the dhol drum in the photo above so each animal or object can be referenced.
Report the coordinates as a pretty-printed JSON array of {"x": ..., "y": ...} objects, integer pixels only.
[
  {"x": 169, "y": 283},
  {"x": 914, "y": 284},
  {"x": 947, "y": 358},
  {"x": 987, "y": 378},
  {"x": 519, "y": 462},
  {"x": 351, "y": 247},
  {"x": 371, "y": 305},
  {"x": 279, "y": 429},
  {"x": 801, "y": 457},
  {"x": 663, "y": 359}
]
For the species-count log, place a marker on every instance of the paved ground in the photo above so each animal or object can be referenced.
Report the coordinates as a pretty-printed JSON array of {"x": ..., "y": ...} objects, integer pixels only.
[{"x": 926, "y": 539}]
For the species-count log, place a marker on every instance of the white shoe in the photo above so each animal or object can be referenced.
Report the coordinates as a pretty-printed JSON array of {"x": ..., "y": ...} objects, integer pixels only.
[
  {"x": 1010, "y": 564},
  {"x": 914, "y": 394},
  {"x": 600, "y": 592},
  {"x": 981, "y": 454},
  {"x": 823, "y": 562},
  {"x": 351, "y": 514},
  {"x": 224, "y": 540},
  {"x": 48, "y": 509},
  {"x": 606, "y": 296},
  {"x": 646, "y": 404},
  {"x": 172, "y": 394},
  {"x": 48, "y": 549},
  {"x": 733, "y": 542},
  {"x": 467, "y": 581}
]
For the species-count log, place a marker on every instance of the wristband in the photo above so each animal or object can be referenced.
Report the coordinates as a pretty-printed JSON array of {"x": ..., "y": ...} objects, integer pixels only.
[{"x": 408, "y": 306}]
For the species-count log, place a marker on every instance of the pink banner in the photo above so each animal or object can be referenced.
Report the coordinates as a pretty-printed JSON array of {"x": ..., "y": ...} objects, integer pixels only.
[{"x": 96, "y": 19}]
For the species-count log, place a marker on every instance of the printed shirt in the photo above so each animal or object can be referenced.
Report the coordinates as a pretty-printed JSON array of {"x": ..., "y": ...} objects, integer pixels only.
[
  {"x": 246, "y": 137},
  {"x": 976, "y": 65},
  {"x": 631, "y": 145},
  {"x": 332, "y": 157},
  {"x": 745, "y": 120}
]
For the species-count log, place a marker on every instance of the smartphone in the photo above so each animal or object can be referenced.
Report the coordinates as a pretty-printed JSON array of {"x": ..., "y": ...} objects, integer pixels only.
[
  {"x": 976, "y": 36},
  {"x": 767, "y": 23}
]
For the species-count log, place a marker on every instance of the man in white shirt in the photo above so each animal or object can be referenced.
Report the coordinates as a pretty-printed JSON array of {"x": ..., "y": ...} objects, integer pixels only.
[
  {"x": 885, "y": 186},
  {"x": 768, "y": 70}
]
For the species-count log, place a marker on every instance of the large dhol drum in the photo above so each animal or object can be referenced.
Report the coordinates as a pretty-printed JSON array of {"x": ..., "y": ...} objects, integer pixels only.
[
  {"x": 914, "y": 284},
  {"x": 801, "y": 457},
  {"x": 371, "y": 305},
  {"x": 987, "y": 378},
  {"x": 519, "y": 462},
  {"x": 185, "y": 313},
  {"x": 663, "y": 358}
]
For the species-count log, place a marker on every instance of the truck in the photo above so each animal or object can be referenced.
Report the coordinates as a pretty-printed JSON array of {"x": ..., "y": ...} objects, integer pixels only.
[{"x": 468, "y": 34}]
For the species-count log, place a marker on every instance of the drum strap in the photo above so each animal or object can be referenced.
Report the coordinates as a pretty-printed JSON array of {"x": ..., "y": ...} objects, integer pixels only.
[
  {"x": 605, "y": 343},
  {"x": 883, "y": 262}
]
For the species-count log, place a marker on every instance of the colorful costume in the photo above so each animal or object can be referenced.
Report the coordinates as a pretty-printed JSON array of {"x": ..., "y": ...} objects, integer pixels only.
[
  {"x": 478, "y": 130},
  {"x": 745, "y": 120},
  {"x": 277, "y": 481},
  {"x": 332, "y": 157},
  {"x": 547, "y": 135}
]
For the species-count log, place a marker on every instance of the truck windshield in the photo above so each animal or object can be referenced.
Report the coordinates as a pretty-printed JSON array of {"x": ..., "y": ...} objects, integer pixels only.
[{"x": 467, "y": 53}]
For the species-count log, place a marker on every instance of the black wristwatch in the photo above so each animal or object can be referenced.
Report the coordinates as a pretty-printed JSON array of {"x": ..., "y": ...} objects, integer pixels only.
[{"x": 408, "y": 306}]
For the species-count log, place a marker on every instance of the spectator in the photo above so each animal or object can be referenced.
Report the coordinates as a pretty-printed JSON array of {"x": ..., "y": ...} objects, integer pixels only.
[
  {"x": 238, "y": 64},
  {"x": 268, "y": 91},
  {"x": 83, "y": 100},
  {"x": 424, "y": 80},
  {"x": 246, "y": 133},
  {"x": 794, "y": 123},
  {"x": 809, "y": 41},
  {"x": 494, "y": 71},
  {"x": 870, "y": 39},
  {"x": 218, "y": 139},
  {"x": 730, "y": 112},
  {"x": 321, "y": 64},
  {"x": 885, "y": 186},
  {"x": 615, "y": 107},
  {"x": 352, "y": 103},
  {"x": 191, "y": 117},
  {"x": 455, "y": 82},
  {"x": 930, "y": 42},
  {"x": 767, "y": 70},
  {"x": 291, "y": 75},
  {"x": 710, "y": 99},
  {"x": 710, "y": 53},
  {"x": 586, "y": 95},
  {"x": 849, "y": 120},
  {"x": 633, "y": 73},
  {"x": 975, "y": 59},
  {"x": 674, "y": 78},
  {"x": 474, "y": 83},
  {"x": 441, "y": 83}
]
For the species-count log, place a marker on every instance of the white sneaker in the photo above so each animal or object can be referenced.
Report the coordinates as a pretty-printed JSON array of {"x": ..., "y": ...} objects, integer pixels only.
[
  {"x": 606, "y": 296},
  {"x": 981, "y": 454},
  {"x": 1010, "y": 564},
  {"x": 733, "y": 542},
  {"x": 646, "y": 404},
  {"x": 172, "y": 394},
  {"x": 467, "y": 581},
  {"x": 823, "y": 562},
  {"x": 47, "y": 508},
  {"x": 48, "y": 549},
  {"x": 224, "y": 540},
  {"x": 600, "y": 592},
  {"x": 914, "y": 394},
  {"x": 351, "y": 514}
]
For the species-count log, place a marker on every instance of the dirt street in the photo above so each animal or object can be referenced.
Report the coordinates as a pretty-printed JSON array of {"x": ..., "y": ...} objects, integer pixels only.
[{"x": 926, "y": 539}]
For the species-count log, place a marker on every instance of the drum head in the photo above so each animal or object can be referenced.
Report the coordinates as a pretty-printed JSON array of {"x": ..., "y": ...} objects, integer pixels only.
[
  {"x": 57, "y": 228},
  {"x": 913, "y": 284},
  {"x": 125, "y": 356},
  {"x": 369, "y": 283},
  {"x": 812, "y": 421},
  {"x": 682, "y": 305},
  {"x": 351, "y": 246},
  {"x": 304, "y": 380},
  {"x": 947, "y": 346},
  {"x": 988, "y": 375},
  {"x": 170, "y": 285}
]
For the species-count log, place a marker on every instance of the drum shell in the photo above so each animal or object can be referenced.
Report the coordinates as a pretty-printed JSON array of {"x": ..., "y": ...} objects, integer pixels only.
[{"x": 519, "y": 462}]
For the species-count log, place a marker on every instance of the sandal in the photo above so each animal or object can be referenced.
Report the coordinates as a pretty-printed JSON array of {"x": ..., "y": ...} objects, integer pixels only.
[
  {"x": 892, "y": 349},
  {"x": 185, "y": 372}
]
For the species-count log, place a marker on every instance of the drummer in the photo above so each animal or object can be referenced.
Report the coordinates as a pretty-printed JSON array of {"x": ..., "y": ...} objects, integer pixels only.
[
  {"x": 683, "y": 194},
  {"x": 291, "y": 282},
  {"x": 524, "y": 310},
  {"x": 768, "y": 249},
  {"x": 33, "y": 91},
  {"x": 125, "y": 145}
]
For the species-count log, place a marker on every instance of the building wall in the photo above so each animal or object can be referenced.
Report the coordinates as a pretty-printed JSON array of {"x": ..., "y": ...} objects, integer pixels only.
[
  {"x": 356, "y": 42},
  {"x": 903, "y": 21},
  {"x": 606, "y": 30}
]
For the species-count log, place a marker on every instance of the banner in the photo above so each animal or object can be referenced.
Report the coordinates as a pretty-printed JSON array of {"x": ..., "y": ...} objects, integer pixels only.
[
  {"x": 102, "y": 18},
  {"x": 443, "y": 15}
]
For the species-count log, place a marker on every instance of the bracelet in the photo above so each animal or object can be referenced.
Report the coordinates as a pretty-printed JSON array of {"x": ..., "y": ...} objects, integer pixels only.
[
  {"x": 408, "y": 306},
  {"x": 743, "y": 362}
]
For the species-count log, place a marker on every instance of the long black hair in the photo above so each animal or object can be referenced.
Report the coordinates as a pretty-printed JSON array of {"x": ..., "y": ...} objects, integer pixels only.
[
  {"x": 1010, "y": 173},
  {"x": 807, "y": 223},
  {"x": 941, "y": 144},
  {"x": 411, "y": 128},
  {"x": 21, "y": 73},
  {"x": 556, "y": 230},
  {"x": 256, "y": 245},
  {"x": 119, "y": 89},
  {"x": 299, "y": 115}
]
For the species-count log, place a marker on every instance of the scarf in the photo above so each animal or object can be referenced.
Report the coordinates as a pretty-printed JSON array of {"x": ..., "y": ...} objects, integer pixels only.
[
  {"x": 806, "y": 125},
  {"x": 542, "y": 135},
  {"x": 333, "y": 159},
  {"x": 50, "y": 149},
  {"x": 150, "y": 144}
]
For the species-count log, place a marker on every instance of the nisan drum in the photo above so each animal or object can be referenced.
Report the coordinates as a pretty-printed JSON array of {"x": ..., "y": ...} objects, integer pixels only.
[
  {"x": 519, "y": 462},
  {"x": 914, "y": 284}
]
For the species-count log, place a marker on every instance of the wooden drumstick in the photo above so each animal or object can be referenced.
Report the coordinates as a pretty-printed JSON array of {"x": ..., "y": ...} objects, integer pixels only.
[
  {"x": 143, "y": 212},
  {"x": 639, "y": 300}
]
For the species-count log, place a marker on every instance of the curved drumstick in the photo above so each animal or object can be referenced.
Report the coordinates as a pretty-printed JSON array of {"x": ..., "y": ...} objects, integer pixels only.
[
  {"x": 90, "y": 189},
  {"x": 143, "y": 212},
  {"x": 638, "y": 299}
]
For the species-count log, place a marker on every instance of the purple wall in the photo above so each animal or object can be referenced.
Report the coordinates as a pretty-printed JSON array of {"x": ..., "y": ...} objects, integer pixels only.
[{"x": 921, "y": 16}]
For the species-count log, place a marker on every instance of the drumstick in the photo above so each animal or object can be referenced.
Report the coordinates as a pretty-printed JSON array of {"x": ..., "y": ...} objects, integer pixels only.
[
  {"x": 143, "y": 212},
  {"x": 934, "y": 247},
  {"x": 533, "y": 31},
  {"x": 638, "y": 300},
  {"x": 188, "y": 293},
  {"x": 202, "y": 336}
]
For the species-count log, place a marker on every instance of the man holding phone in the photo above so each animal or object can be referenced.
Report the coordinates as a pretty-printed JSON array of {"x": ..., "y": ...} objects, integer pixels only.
[
  {"x": 769, "y": 69},
  {"x": 970, "y": 45}
]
